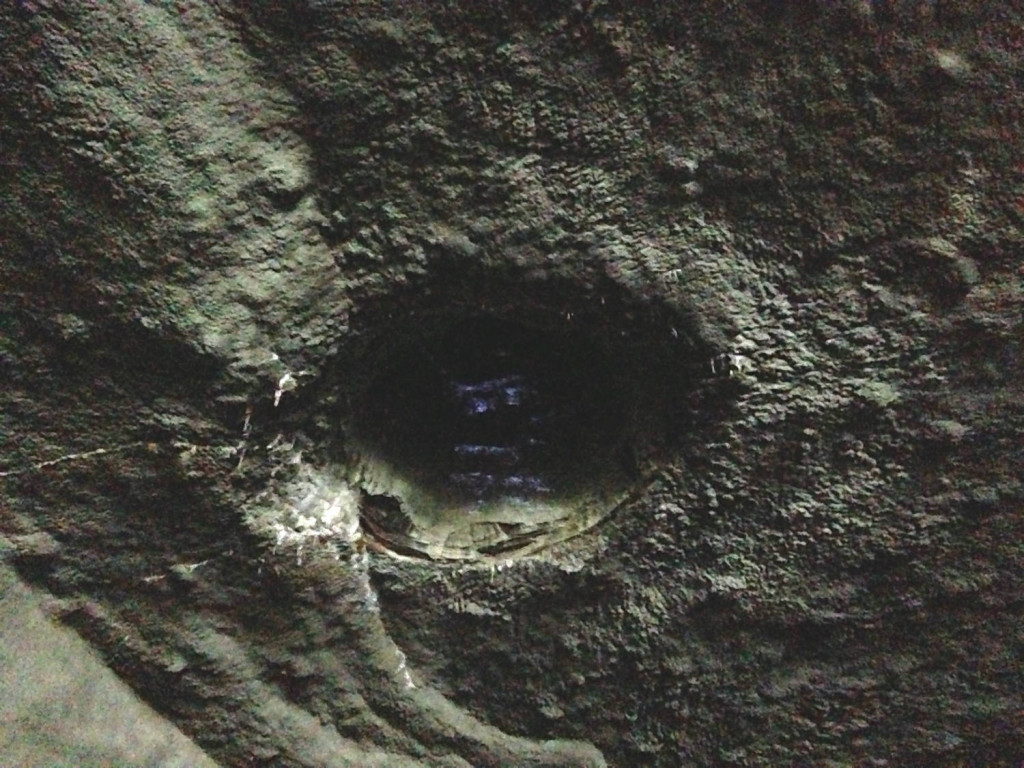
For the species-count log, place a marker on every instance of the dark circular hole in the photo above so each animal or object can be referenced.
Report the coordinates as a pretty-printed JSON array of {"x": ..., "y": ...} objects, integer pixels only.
[
  {"x": 511, "y": 416},
  {"x": 490, "y": 410}
]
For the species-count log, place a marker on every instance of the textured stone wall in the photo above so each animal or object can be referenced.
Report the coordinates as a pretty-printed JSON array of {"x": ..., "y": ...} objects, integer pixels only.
[{"x": 211, "y": 213}]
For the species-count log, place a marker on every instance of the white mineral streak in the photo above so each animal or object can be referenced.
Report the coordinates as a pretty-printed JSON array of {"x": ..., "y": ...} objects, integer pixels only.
[
  {"x": 317, "y": 507},
  {"x": 286, "y": 383},
  {"x": 322, "y": 510},
  {"x": 403, "y": 673}
]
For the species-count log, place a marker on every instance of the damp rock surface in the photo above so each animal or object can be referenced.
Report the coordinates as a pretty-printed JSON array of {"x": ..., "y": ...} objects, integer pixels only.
[{"x": 779, "y": 246}]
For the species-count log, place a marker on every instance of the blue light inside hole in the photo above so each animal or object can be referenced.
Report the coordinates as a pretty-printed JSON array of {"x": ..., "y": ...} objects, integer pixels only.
[
  {"x": 506, "y": 454},
  {"x": 474, "y": 406},
  {"x": 487, "y": 396},
  {"x": 530, "y": 483},
  {"x": 502, "y": 409},
  {"x": 513, "y": 395}
]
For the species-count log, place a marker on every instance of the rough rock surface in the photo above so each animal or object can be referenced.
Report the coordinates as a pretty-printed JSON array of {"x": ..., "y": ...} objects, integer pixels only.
[{"x": 209, "y": 205}]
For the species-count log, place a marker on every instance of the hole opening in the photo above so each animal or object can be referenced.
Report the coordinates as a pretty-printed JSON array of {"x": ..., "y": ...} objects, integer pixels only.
[{"x": 491, "y": 426}]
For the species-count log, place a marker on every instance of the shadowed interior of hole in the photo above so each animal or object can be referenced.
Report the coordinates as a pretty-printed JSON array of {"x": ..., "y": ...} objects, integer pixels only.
[{"x": 490, "y": 411}]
